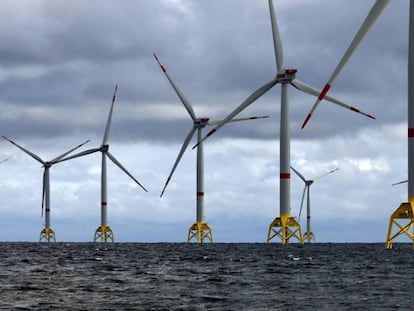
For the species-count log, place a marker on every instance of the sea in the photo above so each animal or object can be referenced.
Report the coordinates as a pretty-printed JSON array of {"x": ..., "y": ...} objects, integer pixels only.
[{"x": 220, "y": 276}]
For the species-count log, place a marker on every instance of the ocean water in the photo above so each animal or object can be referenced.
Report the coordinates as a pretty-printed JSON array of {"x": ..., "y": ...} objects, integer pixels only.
[{"x": 179, "y": 276}]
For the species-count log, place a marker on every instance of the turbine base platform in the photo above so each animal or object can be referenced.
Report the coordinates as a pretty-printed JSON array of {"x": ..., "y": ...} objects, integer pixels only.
[
  {"x": 47, "y": 235},
  {"x": 403, "y": 219},
  {"x": 309, "y": 237},
  {"x": 104, "y": 234},
  {"x": 200, "y": 231},
  {"x": 285, "y": 228}
]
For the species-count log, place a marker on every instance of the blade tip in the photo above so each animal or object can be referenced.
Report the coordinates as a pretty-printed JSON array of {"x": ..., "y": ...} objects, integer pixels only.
[
  {"x": 159, "y": 63},
  {"x": 363, "y": 113},
  {"x": 306, "y": 120},
  {"x": 195, "y": 146}
]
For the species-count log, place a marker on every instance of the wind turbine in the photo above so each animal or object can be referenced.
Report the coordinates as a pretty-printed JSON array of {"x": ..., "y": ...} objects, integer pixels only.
[
  {"x": 200, "y": 230},
  {"x": 104, "y": 232},
  {"x": 47, "y": 234},
  {"x": 284, "y": 227},
  {"x": 308, "y": 236},
  {"x": 403, "y": 216}
]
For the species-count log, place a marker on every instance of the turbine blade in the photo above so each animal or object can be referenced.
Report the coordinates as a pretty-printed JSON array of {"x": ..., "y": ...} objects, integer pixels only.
[
  {"x": 299, "y": 174},
  {"x": 367, "y": 24},
  {"x": 108, "y": 122},
  {"x": 37, "y": 158},
  {"x": 180, "y": 154},
  {"x": 43, "y": 191},
  {"x": 249, "y": 100},
  {"x": 80, "y": 154},
  {"x": 215, "y": 122},
  {"x": 7, "y": 159},
  {"x": 56, "y": 160},
  {"x": 328, "y": 173},
  {"x": 306, "y": 88},
  {"x": 277, "y": 42},
  {"x": 312, "y": 91},
  {"x": 177, "y": 90},
  {"x": 375, "y": 12},
  {"x": 301, "y": 203},
  {"x": 400, "y": 182},
  {"x": 117, "y": 163}
]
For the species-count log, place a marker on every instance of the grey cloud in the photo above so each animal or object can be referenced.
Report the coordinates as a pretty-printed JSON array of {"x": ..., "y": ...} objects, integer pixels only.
[{"x": 211, "y": 52}]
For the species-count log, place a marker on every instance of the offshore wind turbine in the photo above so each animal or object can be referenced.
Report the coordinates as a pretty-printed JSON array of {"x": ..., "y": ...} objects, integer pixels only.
[
  {"x": 104, "y": 232},
  {"x": 200, "y": 230},
  {"x": 308, "y": 236},
  {"x": 403, "y": 216},
  {"x": 47, "y": 234},
  {"x": 284, "y": 227}
]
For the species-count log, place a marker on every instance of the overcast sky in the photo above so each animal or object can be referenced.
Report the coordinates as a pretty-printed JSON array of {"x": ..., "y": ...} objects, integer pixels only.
[{"x": 60, "y": 61}]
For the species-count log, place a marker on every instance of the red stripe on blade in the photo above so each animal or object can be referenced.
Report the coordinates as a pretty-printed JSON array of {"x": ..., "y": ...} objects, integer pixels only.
[
  {"x": 104, "y": 203},
  {"x": 200, "y": 194},
  {"x": 284, "y": 175},
  {"x": 354, "y": 109},
  {"x": 411, "y": 132},
  {"x": 324, "y": 91},
  {"x": 211, "y": 132},
  {"x": 163, "y": 69}
]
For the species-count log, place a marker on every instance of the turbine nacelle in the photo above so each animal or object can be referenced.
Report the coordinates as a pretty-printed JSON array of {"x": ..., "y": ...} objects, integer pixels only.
[
  {"x": 286, "y": 75},
  {"x": 309, "y": 182},
  {"x": 105, "y": 148},
  {"x": 201, "y": 122}
]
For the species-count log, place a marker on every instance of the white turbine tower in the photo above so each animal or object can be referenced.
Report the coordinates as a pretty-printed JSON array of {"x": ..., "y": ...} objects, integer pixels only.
[
  {"x": 308, "y": 236},
  {"x": 284, "y": 227},
  {"x": 200, "y": 230},
  {"x": 47, "y": 234},
  {"x": 104, "y": 232}
]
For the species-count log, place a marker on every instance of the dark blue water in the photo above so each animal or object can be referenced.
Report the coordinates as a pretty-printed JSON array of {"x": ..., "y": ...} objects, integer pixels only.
[{"x": 87, "y": 276}]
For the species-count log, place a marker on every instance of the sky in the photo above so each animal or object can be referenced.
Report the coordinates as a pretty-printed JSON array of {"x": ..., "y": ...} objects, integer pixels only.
[{"x": 60, "y": 61}]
